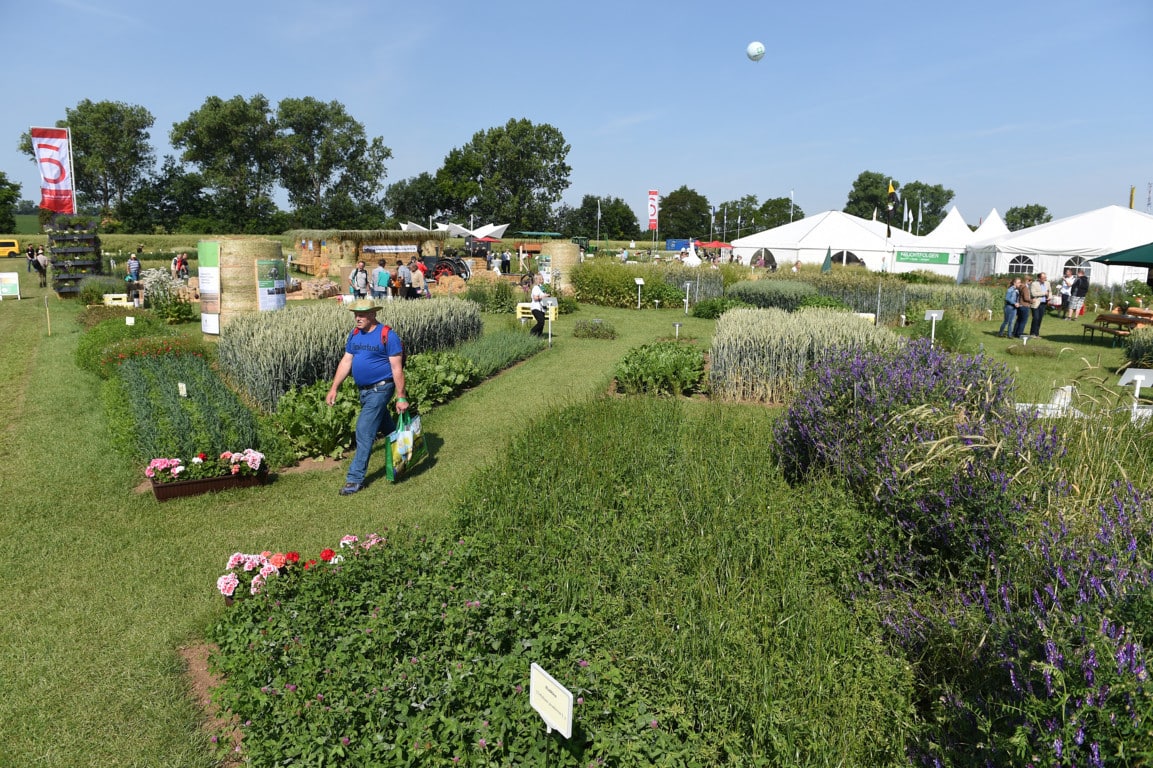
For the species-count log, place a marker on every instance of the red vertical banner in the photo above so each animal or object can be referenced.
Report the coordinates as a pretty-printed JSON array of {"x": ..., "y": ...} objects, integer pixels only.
[
  {"x": 53, "y": 158},
  {"x": 654, "y": 208}
]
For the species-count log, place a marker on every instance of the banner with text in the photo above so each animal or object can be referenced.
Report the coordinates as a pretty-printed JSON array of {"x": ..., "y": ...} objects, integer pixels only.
[
  {"x": 54, "y": 159},
  {"x": 654, "y": 207},
  {"x": 929, "y": 257}
]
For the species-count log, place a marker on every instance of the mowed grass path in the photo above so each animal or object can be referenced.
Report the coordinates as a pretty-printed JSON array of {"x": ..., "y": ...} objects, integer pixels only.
[{"x": 104, "y": 584}]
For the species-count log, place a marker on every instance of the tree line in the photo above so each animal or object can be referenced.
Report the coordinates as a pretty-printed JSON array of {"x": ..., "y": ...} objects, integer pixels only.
[{"x": 234, "y": 154}]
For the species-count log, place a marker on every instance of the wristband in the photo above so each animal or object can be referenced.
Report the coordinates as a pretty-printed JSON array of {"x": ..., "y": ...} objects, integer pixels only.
[{"x": 402, "y": 399}]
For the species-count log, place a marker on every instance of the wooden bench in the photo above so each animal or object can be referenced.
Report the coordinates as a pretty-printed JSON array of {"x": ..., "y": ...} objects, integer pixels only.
[
  {"x": 1099, "y": 326},
  {"x": 523, "y": 312}
]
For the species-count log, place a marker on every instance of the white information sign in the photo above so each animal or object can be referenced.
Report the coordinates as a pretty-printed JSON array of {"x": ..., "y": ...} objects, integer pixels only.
[
  {"x": 9, "y": 285},
  {"x": 551, "y": 700}
]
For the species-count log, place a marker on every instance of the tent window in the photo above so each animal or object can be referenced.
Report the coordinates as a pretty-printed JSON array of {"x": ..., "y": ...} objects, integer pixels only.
[
  {"x": 1077, "y": 262},
  {"x": 846, "y": 258},
  {"x": 1021, "y": 265}
]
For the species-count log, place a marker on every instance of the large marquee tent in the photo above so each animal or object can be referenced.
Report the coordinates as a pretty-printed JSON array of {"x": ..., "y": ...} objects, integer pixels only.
[
  {"x": 851, "y": 240},
  {"x": 1065, "y": 243}
]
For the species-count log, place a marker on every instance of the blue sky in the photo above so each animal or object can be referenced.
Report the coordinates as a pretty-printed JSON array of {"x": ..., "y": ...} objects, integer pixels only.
[{"x": 1007, "y": 103}]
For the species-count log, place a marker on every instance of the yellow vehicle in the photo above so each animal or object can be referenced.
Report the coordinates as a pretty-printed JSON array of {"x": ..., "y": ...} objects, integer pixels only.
[{"x": 9, "y": 248}]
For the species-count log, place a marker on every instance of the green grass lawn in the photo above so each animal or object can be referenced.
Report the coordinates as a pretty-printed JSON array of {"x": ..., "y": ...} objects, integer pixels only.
[{"x": 104, "y": 584}]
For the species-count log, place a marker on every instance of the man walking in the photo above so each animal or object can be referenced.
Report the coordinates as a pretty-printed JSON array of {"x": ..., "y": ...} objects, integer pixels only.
[{"x": 373, "y": 355}]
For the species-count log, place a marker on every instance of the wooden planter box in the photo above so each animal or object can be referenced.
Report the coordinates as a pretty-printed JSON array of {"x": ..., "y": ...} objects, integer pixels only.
[{"x": 166, "y": 491}]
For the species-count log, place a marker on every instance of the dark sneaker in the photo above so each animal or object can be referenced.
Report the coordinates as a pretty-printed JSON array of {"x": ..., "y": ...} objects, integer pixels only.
[{"x": 349, "y": 489}]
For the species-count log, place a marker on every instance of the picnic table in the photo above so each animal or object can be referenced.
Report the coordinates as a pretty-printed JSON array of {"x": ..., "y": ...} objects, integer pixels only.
[{"x": 1115, "y": 324}]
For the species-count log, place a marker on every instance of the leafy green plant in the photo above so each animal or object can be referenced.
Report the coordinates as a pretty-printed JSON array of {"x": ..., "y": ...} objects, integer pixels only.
[
  {"x": 820, "y": 301},
  {"x": 664, "y": 368},
  {"x": 951, "y": 333},
  {"x": 594, "y": 329},
  {"x": 434, "y": 378},
  {"x": 312, "y": 427}
]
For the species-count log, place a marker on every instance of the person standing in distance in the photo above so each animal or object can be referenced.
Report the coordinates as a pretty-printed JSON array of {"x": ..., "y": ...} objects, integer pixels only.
[
  {"x": 537, "y": 306},
  {"x": 376, "y": 365},
  {"x": 1077, "y": 293}
]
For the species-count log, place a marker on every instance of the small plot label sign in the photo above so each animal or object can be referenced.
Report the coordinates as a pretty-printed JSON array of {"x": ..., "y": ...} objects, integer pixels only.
[{"x": 551, "y": 700}]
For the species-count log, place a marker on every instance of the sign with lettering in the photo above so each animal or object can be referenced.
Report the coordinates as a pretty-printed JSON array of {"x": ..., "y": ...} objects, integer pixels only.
[
  {"x": 9, "y": 284},
  {"x": 929, "y": 257},
  {"x": 551, "y": 700}
]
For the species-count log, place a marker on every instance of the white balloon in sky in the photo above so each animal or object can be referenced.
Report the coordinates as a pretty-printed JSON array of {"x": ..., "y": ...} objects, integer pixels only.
[{"x": 755, "y": 50}]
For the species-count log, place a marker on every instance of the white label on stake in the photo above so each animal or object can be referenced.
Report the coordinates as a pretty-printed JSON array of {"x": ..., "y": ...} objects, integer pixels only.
[{"x": 551, "y": 700}]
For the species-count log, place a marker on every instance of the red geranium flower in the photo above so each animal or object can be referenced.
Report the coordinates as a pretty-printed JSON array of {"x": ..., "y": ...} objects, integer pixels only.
[
  {"x": 326, "y": 555},
  {"x": 292, "y": 557}
]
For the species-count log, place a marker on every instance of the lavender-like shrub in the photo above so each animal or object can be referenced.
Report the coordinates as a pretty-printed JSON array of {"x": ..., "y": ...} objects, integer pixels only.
[
  {"x": 930, "y": 441},
  {"x": 1051, "y": 653}
]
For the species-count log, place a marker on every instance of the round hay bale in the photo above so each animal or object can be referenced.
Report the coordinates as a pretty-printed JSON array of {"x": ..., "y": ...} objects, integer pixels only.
[{"x": 238, "y": 290}]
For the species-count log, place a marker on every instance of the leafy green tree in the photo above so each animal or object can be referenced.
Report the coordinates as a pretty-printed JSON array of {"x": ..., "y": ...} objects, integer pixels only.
[
  {"x": 9, "y": 196},
  {"x": 171, "y": 200},
  {"x": 327, "y": 162},
  {"x": 111, "y": 153},
  {"x": 869, "y": 195},
  {"x": 929, "y": 201},
  {"x": 1023, "y": 216},
  {"x": 234, "y": 144},
  {"x": 684, "y": 213},
  {"x": 414, "y": 199},
  {"x": 512, "y": 174},
  {"x": 735, "y": 218},
  {"x": 26, "y": 208},
  {"x": 618, "y": 221},
  {"x": 777, "y": 211}
]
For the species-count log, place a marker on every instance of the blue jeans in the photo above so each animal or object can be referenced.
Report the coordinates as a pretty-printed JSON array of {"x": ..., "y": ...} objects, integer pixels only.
[
  {"x": 1009, "y": 322},
  {"x": 1022, "y": 318},
  {"x": 373, "y": 414}
]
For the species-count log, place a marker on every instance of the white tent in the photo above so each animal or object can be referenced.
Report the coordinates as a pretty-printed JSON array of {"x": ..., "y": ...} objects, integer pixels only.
[
  {"x": 1068, "y": 242},
  {"x": 852, "y": 240},
  {"x": 993, "y": 226}
]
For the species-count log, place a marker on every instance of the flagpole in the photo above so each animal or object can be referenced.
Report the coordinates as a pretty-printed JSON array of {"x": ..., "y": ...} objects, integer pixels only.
[{"x": 72, "y": 173}]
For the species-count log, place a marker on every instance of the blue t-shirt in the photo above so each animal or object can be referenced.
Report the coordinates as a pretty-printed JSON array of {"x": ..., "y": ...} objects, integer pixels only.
[{"x": 370, "y": 357}]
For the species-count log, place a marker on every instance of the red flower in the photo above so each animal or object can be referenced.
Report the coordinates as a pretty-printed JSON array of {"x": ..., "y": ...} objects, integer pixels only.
[
  {"x": 326, "y": 555},
  {"x": 309, "y": 564},
  {"x": 201, "y": 456},
  {"x": 292, "y": 557}
]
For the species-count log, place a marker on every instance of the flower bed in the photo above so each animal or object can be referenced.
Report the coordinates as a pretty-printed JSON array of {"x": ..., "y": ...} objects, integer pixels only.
[{"x": 173, "y": 478}]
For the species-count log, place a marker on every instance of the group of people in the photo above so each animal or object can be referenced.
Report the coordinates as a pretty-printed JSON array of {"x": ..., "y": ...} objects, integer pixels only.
[
  {"x": 179, "y": 266},
  {"x": 406, "y": 281},
  {"x": 1025, "y": 301},
  {"x": 38, "y": 263}
]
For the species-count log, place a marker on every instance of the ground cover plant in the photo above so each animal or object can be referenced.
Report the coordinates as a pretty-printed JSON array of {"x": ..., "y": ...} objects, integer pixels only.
[{"x": 630, "y": 587}]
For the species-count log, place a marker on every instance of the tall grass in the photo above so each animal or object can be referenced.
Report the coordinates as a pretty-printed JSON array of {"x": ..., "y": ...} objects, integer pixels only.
[
  {"x": 762, "y": 355},
  {"x": 658, "y": 519}
]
